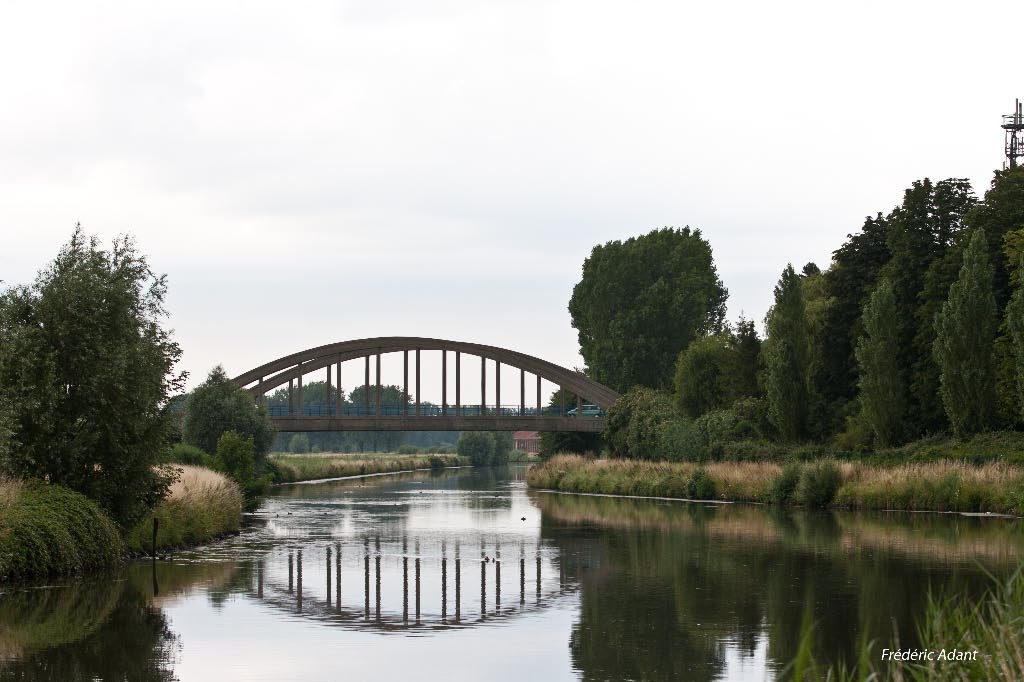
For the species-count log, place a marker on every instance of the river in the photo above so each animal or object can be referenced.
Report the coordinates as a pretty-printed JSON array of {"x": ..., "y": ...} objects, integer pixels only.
[{"x": 467, "y": 575}]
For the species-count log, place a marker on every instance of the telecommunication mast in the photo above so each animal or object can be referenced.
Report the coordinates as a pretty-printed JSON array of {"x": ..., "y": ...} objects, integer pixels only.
[{"x": 1014, "y": 127}]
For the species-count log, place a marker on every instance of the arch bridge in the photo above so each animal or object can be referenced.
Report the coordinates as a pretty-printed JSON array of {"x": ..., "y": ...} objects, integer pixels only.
[{"x": 336, "y": 414}]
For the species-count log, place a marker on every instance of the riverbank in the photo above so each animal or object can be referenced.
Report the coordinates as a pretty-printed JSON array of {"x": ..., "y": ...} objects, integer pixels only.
[
  {"x": 201, "y": 506},
  {"x": 49, "y": 531},
  {"x": 994, "y": 487},
  {"x": 295, "y": 468}
]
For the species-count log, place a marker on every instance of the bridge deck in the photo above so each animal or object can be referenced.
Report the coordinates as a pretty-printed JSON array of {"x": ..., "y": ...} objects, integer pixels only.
[{"x": 438, "y": 423}]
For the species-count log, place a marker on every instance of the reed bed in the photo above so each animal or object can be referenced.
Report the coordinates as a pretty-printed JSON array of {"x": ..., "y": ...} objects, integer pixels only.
[
  {"x": 295, "y": 468},
  {"x": 995, "y": 487},
  {"x": 202, "y": 505},
  {"x": 10, "y": 492}
]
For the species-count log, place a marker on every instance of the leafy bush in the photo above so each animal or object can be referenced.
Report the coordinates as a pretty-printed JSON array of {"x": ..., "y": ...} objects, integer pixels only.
[
  {"x": 437, "y": 463},
  {"x": 784, "y": 486},
  {"x": 635, "y": 422},
  {"x": 51, "y": 531},
  {"x": 680, "y": 441},
  {"x": 700, "y": 486},
  {"x": 299, "y": 444},
  {"x": 408, "y": 450},
  {"x": 715, "y": 426},
  {"x": 818, "y": 484},
  {"x": 236, "y": 457},
  {"x": 181, "y": 453}
]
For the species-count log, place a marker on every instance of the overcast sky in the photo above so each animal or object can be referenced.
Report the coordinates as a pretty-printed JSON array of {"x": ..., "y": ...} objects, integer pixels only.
[{"x": 322, "y": 171}]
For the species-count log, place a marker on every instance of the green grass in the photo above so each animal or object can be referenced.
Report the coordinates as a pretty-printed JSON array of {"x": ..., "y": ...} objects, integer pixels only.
[
  {"x": 996, "y": 486},
  {"x": 294, "y": 468},
  {"x": 47, "y": 531},
  {"x": 993, "y": 627},
  {"x": 201, "y": 506}
]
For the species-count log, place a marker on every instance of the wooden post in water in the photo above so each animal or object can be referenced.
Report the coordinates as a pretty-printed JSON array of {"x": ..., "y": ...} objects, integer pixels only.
[
  {"x": 337, "y": 575},
  {"x": 298, "y": 581}
]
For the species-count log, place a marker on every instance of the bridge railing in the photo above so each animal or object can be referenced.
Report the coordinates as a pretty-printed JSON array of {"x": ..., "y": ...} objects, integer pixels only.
[{"x": 431, "y": 410}]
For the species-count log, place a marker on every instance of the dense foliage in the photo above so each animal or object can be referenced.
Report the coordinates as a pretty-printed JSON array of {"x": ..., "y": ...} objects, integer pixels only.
[
  {"x": 485, "y": 448},
  {"x": 49, "y": 531},
  {"x": 642, "y": 301},
  {"x": 217, "y": 406},
  {"x": 86, "y": 371},
  {"x": 916, "y": 329}
]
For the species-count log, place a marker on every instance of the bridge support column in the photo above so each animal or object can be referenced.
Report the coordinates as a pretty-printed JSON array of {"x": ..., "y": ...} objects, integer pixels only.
[
  {"x": 417, "y": 382},
  {"x": 405, "y": 382},
  {"x": 291, "y": 401},
  {"x": 497, "y": 387},
  {"x": 444, "y": 382},
  {"x": 327, "y": 398},
  {"x": 301, "y": 412},
  {"x": 458, "y": 384},
  {"x": 522, "y": 392},
  {"x": 366, "y": 387},
  {"x": 538, "y": 396},
  {"x": 377, "y": 403},
  {"x": 337, "y": 402},
  {"x": 483, "y": 384}
]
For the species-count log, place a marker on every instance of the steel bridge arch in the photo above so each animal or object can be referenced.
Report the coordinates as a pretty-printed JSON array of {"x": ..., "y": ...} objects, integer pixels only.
[{"x": 283, "y": 370}]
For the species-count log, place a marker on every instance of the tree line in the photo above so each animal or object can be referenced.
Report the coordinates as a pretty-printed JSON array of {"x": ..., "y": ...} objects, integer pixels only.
[{"x": 915, "y": 328}]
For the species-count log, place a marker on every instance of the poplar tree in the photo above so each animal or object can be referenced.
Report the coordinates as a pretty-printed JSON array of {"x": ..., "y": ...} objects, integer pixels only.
[
  {"x": 1015, "y": 327},
  {"x": 785, "y": 357},
  {"x": 965, "y": 329},
  {"x": 882, "y": 389}
]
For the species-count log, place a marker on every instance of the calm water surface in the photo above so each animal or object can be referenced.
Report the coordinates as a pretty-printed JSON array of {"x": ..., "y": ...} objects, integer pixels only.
[{"x": 467, "y": 575}]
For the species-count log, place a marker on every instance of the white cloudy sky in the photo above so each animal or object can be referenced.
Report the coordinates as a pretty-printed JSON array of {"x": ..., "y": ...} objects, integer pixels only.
[{"x": 319, "y": 171}]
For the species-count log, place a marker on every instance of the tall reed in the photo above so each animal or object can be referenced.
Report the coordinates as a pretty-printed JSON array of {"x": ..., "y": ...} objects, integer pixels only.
[{"x": 203, "y": 504}]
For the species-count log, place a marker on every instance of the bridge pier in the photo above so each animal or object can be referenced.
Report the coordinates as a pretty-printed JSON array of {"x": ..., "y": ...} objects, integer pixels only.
[
  {"x": 458, "y": 384},
  {"x": 417, "y": 382}
]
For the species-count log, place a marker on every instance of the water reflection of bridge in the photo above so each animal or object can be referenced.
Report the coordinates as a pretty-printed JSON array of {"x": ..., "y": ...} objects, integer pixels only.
[{"x": 442, "y": 585}]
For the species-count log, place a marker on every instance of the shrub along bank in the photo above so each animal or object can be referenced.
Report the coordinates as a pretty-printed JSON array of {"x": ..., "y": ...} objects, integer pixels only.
[
  {"x": 995, "y": 487},
  {"x": 47, "y": 530}
]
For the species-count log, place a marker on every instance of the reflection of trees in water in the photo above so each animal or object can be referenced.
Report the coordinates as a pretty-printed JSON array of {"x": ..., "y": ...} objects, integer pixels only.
[
  {"x": 131, "y": 641},
  {"x": 109, "y": 629},
  {"x": 682, "y": 581}
]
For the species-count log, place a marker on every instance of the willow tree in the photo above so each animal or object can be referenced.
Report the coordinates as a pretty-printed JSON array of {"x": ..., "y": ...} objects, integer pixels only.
[
  {"x": 965, "y": 330},
  {"x": 785, "y": 354},
  {"x": 86, "y": 373},
  {"x": 882, "y": 389}
]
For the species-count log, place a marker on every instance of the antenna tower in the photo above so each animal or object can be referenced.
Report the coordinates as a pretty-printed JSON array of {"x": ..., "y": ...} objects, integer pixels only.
[{"x": 1014, "y": 127}]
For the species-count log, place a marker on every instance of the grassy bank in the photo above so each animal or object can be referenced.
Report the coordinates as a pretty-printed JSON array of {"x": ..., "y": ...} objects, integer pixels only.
[
  {"x": 995, "y": 487},
  {"x": 201, "y": 506},
  {"x": 294, "y": 468},
  {"x": 46, "y": 530},
  {"x": 987, "y": 631}
]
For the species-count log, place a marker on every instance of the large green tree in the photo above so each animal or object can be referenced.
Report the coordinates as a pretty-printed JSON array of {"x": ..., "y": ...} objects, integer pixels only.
[
  {"x": 641, "y": 301},
  {"x": 1015, "y": 329},
  {"x": 217, "y": 406},
  {"x": 86, "y": 371},
  {"x": 785, "y": 355},
  {"x": 965, "y": 329},
  {"x": 883, "y": 393}
]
